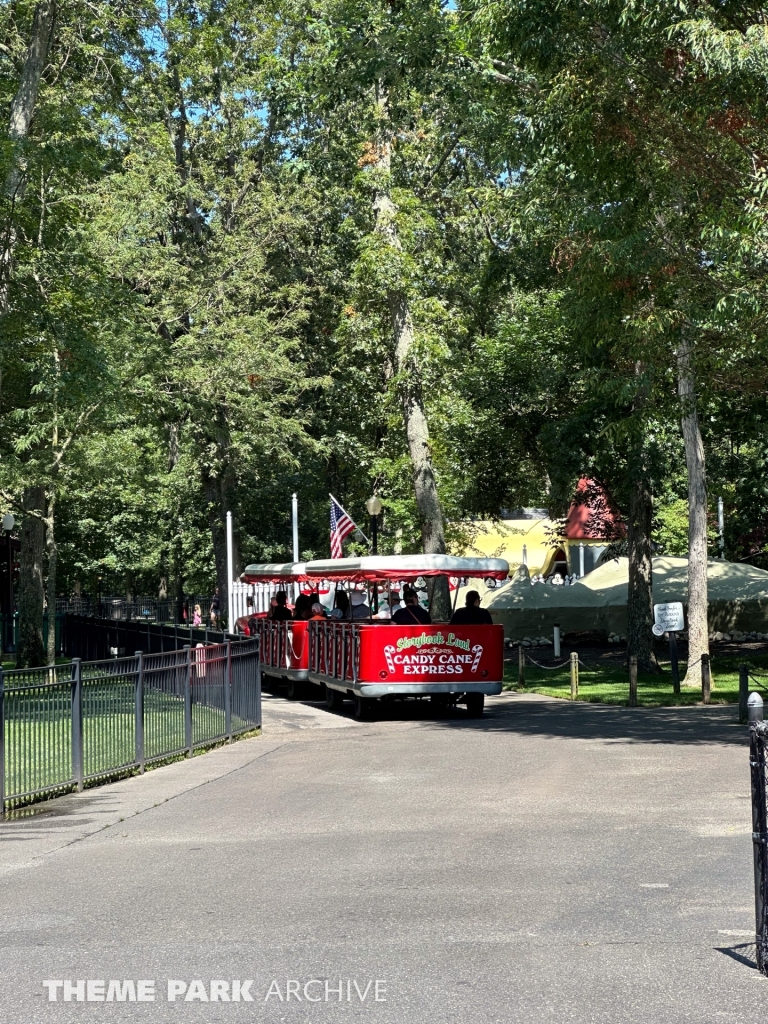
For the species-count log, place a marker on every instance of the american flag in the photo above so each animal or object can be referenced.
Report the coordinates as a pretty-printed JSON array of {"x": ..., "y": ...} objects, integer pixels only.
[{"x": 341, "y": 527}]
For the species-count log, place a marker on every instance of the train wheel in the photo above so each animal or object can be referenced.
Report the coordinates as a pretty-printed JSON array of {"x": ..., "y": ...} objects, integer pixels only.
[
  {"x": 334, "y": 699},
  {"x": 364, "y": 708},
  {"x": 475, "y": 702},
  {"x": 440, "y": 702},
  {"x": 294, "y": 690}
]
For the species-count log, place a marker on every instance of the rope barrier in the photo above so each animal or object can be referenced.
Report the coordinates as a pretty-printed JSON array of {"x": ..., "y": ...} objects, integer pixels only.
[
  {"x": 551, "y": 668},
  {"x": 759, "y": 685}
]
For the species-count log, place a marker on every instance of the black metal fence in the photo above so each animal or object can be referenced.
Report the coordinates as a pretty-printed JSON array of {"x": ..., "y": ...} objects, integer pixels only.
[
  {"x": 88, "y": 638},
  {"x": 10, "y": 638},
  {"x": 67, "y": 726},
  {"x": 758, "y": 761},
  {"x": 156, "y": 609}
]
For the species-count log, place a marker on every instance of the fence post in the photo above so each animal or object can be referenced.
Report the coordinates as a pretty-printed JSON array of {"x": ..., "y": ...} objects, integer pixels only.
[
  {"x": 556, "y": 641},
  {"x": 574, "y": 675},
  {"x": 706, "y": 678},
  {"x": 757, "y": 741},
  {"x": 2, "y": 741},
  {"x": 258, "y": 679},
  {"x": 520, "y": 665},
  {"x": 743, "y": 692},
  {"x": 228, "y": 694},
  {"x": 77, "y": 723},
  {"x": 633, "y": 680},
  {"x": 140, "y": 711},
  {"x": 188, "y": 702}
]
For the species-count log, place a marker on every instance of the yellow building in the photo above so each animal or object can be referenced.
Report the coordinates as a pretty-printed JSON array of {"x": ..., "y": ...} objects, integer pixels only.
[
  {"x": 522, "y": 536},
  {"x": 527, "y": 536}
]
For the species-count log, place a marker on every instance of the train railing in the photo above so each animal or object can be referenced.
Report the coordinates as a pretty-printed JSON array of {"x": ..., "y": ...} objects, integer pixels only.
[
  {"x": 334, "y": 650},
  {"x": 284, "y": 643}
]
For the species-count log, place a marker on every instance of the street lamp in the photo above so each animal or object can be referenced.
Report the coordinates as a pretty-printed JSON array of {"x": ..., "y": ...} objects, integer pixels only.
[
  {"x": 374, "y": 507},
  {"x": 8, "y": 524}
]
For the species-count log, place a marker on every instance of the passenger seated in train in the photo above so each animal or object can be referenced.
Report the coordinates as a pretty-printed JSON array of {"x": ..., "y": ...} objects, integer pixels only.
[
  {"x": 302, "y": 610},
  {"x": 413, "y": 614},
  {"x": 360, "y": 609},
  {"x": 340, "y": 605},
  {"x": 278, "y": 610},
  {"x": 471, "y": 614},
  {"x": 389, "y": 605}
]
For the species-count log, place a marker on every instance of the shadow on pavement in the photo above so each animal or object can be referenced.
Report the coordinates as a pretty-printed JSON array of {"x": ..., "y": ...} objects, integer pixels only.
[
  {"x": 566, "y": 720},
  {"x": 731, "y": 951},
  {"x": 563, "y": 719}
]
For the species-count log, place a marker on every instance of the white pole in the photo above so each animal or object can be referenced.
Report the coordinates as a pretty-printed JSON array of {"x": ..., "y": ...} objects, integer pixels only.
[
  {"x": 721, "y": 526},
  {"x": 295, "y": 511},
  {"x": 230, "y": 574},
  {"x": 581, "y": 561},
  {"x": 525, "y": 554}
]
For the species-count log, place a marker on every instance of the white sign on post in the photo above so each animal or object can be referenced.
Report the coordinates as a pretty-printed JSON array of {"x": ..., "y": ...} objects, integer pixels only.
[{"x": 668, "y": 618}]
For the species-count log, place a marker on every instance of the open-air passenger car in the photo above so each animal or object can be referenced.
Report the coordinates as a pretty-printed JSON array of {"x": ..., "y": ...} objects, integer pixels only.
[{"x": 368, "y": 660}]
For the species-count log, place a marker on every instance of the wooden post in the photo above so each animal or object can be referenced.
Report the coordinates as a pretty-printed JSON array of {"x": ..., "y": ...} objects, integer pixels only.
[
  {"x": 633, "y": 680},
  {"x": 520, "y": 665},
  {"x": 574, "y": 675},
  {"x": 706, "y": 678},
  {"x": 673, "y": 662}
]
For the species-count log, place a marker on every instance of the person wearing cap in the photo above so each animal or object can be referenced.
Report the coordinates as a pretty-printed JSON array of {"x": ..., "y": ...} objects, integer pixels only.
[
  {"x": 360, "y": 609},
  {"x": 471, "y": 614},
  {"x": 389, "y": 607},
  {"x": 318, "y": 612},
  {"x": 413, "y": 614}
]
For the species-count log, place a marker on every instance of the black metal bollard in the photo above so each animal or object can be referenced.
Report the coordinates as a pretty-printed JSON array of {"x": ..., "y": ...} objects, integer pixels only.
[
  {"x": 743, "y": 692},
  {"x": 758, "y": 740}
]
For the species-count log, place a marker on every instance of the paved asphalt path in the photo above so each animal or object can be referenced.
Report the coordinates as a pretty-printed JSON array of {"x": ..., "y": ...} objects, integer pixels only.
[{"x": 550, "y": 862}]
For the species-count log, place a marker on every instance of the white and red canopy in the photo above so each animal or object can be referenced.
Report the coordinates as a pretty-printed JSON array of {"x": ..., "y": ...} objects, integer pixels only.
[
  {"x": 275, "y": 572},
  {"x": 371, "y": 568}
]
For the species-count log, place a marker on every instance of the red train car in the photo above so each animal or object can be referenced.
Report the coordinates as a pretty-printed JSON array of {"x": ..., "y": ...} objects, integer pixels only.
[{"x": 367, "y": 659}]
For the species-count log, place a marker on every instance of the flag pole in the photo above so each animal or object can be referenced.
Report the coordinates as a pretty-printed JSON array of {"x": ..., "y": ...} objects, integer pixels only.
[{"x": 349, "y": 517}]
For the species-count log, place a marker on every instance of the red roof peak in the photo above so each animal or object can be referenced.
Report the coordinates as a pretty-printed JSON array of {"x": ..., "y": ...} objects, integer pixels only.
[{"x": 593, "y": 515}]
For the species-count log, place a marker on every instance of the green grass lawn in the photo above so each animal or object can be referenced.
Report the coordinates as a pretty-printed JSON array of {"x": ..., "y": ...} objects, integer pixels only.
[
  {"x": 9, "y": 663},
  {"x": 609, "y": 684},
  {"x": 38, "y": 736}
]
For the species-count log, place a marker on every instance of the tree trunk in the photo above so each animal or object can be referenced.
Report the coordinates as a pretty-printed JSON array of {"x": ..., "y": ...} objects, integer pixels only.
[
  {"x": 408, "y": 374},
  {"x": 176, "y": 539},
  {"x": 640, "y": 585},
  {"x": 30, "y": 652},
  {"x": 22, "y": 111},
  {"x": 640, "y": 589},
  {"x": 52, "y": 552},
  {"x": 220, "y": 495},
  {"x": 698, "y": 628}
]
